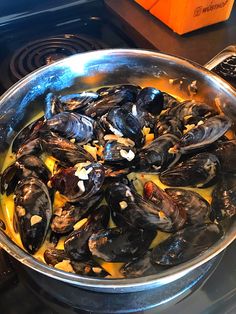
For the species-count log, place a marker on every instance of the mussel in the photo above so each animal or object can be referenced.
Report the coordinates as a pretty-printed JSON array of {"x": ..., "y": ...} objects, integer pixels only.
[
  {"x": 25, "y": 166},
  {"x": 78, "y": 102},
  {"x": 186, "y": 244},
  {"x": 120, "y": 244},
  {"x": 224, "y": 198},
  {"x": 65, "y": 217},
  {"x": 226, "y": 152},
  {"x": 141, "y": 266},
  {"x": 79, "y": 183},
  {"x": 155, "y": 156},
  {"x": 119, "y": 151},
  {"x": 151, "y": 100},
  {"x": 169, "y": 101},
  {"x": 191, "y": 111},
  {"x": 200, "y": 171},
  {"x": 52, "y": 106},
  {"x": 33, "y": 211},
  {"x": 195, "y": 206},
  {"x": 168, "y": 125},
  {"x": 122, "y": 123},
  {"x": 89, "y": 268},
  {"x": 203, "y": 134},
  {"x": 54, "y": 256},
  {"x": 128, "y": 208},
  {"x": 65, "y": 151},
  {"x": 27, "y": 134},
  {"x": 111, "y": 97},
  {"x": 76, "y": 244},
  {"x": 72, "y": 126},
  {"x": 161, "y": 199}
]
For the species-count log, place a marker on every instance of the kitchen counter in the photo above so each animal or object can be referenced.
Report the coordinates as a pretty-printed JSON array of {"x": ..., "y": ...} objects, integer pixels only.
[{"x": 200, "y": 45}]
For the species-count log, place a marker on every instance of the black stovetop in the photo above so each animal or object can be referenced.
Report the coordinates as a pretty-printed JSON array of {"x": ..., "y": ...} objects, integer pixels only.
[{"x": 36, "y": 33}]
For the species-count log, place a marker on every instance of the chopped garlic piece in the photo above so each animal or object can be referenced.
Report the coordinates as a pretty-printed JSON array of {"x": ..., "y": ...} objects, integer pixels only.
[
  {"x": 125, "y": 141},
  {"x": 134, "y": 110},
  {"x": 123, "y": 204},
  {"x": 82, "y": 174},
  {"x": 81, "y": 185},
  {"x": 127, "y": 155},
  {"x": 97, "y": 270},
  {"x": 72, "y": 140},
  {"x": 115, "y": 131},
  {"x": 35, "y": 219},
  {"x": 65, "y": 265}
]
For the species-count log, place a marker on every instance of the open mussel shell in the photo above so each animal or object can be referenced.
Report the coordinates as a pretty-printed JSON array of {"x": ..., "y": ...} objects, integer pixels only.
[
  {"x": 140, "y": 267},
  {"x": 186, "y": 244},
  {"x": 33, "y": 211},
  {"x": 224, "y": 198},
  {"x": 128, "y": 208},
  {"x": 120, "y": 244},
  {"x": 79, "y": 183},
  {"x": 76, "y": 243},
  {"x": 72, "y": 126},
  {"x": 155, "y": 156},
  {"x": 200, "y": 171},
  {"x": 196, "y": 207}
]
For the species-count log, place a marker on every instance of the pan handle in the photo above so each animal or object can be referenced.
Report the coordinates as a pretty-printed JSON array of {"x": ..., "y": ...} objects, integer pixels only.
[{"x": 228, "y": 52}]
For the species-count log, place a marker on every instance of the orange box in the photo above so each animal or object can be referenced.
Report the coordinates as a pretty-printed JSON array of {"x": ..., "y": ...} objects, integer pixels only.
[
  {"x": 146, "y": 4},
  {"x": 184, "y": 16}
]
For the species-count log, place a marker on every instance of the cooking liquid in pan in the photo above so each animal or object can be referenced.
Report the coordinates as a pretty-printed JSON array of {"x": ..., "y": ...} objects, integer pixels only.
[{"x": 7, "y": 204}]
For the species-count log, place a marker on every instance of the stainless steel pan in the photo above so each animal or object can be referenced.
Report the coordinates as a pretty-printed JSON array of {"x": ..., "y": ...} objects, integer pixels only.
[{"x": 108, "y": 67}]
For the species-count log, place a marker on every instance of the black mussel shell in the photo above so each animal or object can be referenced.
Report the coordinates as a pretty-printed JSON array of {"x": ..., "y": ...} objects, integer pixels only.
[
  {"x": 65, "y": 217},
  {"x": 169, "y": 101},
  {"x": 160, "y": 198},
  {"x": 54, "y": 256},
  {"x": 30, "y": 148},
  {"x": 155, "y": 156},
  {"x": 168, "y": 125},
  {"x": 200, "y": 171},
  {"x": 191, "y": 111},
  {"x": 33, "y": 211},
  {"x": 186, "y": 244},
  {"x": 89, "y": 268},
  {"x": 76, "y": 244},
  {"x": 65, "y": 151},
  {"x": 140, "y": 267},
  {"x": 24, "y": 167},
  {"x": 111, "y": 97},
  {"x": 128, "y": 208},
  {"x": 79, "y": 184},
  {"x": 204, "y": 134},
  {"x": 118, "y": 152},
  {"x": 120, "y": 244},
  {"x": 226, "y": 152},
  {"x": 52, "y": 106},
  {"x": 195, "y": 206},
  {"x": 27, "y": 134},
  {"x": 122, "y": 123},
  {"x": 78, "y": 102},
  {"x": 224, "y": 198},
  {"x": 151, "y": 100},
  {"x": 72, "y": 126}
]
